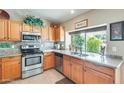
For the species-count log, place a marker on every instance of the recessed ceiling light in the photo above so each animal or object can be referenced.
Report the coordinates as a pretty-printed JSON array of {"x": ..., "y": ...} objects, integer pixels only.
[{"x": 72, "y": 11}]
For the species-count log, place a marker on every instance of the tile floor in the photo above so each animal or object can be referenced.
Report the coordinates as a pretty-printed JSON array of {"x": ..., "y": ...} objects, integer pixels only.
[{"x": 47, "y": 77}]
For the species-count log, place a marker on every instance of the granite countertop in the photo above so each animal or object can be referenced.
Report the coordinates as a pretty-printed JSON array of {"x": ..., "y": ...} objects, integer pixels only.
[
  {"x": 9, "y": 52},
  {"x": 10, "y": 55},
  {"x": 108, "y": 61}
]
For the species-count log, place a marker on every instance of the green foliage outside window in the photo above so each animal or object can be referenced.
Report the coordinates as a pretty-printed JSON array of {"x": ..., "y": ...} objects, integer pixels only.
[
  {"x": 93, "y": 44},
  {"x": 78, "y": 41}
]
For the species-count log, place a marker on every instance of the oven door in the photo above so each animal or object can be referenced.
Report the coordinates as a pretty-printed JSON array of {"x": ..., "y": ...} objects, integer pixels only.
[{"x": 32, "y": 62}]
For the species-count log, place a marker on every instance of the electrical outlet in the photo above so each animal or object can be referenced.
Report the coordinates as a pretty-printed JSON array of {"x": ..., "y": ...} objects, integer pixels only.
[{"x": 114, "y": 49}]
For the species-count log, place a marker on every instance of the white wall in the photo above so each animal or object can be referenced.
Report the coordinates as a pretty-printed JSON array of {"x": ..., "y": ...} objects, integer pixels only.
[{"x": 97, "y": 17}]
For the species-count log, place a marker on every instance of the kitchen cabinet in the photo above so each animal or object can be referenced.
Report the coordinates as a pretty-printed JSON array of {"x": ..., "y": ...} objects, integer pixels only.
[
  {"x": 83, "y": 72},
  {"x": 98, "y": 74},
  {"x": 45, "y": 34},
  {"x": 0, "y": 70},
  {"x": 51, "y": 34},
  {"x": 11, "y": 68},
  {"x": 26, "y": 27},
  {"x": 67, "y": 66},
  {"x": 14, "y": 30},
  {"x": 59, "y": 33},
  {"x": 3, "y": 30},
  {"x": 77, "y": 73},
  {"x": 49, "y": 61},
  {"x": 36, "y": 29},
  {"x": 73, "y": 69},
  {"x": 95, "y": 77}
]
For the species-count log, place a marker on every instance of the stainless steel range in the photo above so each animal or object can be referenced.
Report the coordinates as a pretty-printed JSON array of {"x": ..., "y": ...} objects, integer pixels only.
[{"x": 32, "y": 60}]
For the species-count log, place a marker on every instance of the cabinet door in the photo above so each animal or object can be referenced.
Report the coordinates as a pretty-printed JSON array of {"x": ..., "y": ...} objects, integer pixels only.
[
  {"x": 94, "y": 77},
  {"x": 36, "y": 29},
  {"x": 3, "y": 29},
  {"x": 51, "y": 34},
  {"x": 76, "y": 72},
  {"x": 62, "y": 33},
  {"x": 49, "y": 61},
  {"x": 57, "y": 33},
  {"x": 6, "y": 71},
  {"x": 45, "y": 34},
  {"x": 14, "y": 29},
  {"x": 67, "y": 66},
  {"x": 27, "y": 28},
  {"x": 15, "y": 69},
  {"x": 0, "y": 70}
]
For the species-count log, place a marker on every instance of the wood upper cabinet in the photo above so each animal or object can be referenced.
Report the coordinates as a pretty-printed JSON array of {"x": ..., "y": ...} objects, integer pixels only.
[
  {"x": 26, "y": 27},
  {"x": 14, "y": 30},
  {"x": 77, "y": 71},
  {"x": 3, "y": 29},
  {"x": 59, "y": 33},
  {"x": 36, "y": 29},
  {"x": 51, "y": 34},
  {"x": 95, "y": 77},
  {"x": 11, "y": 68},
  {"x": 62, "y": 34},
  {"x": 45, "y": 33},
  {"x": 49, "y": 61},
  {"x": 67, "y": 66}
]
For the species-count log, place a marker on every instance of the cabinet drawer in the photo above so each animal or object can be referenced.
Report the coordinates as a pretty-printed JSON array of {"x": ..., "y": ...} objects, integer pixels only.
[
  {"x": 76, "y": 60},
  {"x": 67, "y": 57},
  {"x": 100, "y": 68},
  {"x": 10, "y": 59}
]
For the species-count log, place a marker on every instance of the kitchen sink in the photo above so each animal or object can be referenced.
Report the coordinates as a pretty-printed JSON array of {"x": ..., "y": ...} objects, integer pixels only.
[
  {"x": 78, "y": 54},
  {"x": 82, "y": 55}
]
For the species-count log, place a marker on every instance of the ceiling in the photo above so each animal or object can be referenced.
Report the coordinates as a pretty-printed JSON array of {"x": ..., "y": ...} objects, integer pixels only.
[{"x": 53, "y": 15}]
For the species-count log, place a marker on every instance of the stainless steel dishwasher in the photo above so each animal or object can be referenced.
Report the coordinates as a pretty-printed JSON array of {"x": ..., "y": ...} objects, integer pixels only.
[{"x": 59, "y": 62}]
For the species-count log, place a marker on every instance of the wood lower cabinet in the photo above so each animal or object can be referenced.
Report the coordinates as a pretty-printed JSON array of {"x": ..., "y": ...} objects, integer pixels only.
[
  {"x": 14, "y": 30},
  {"x": 77, "y": 71},
  {"x": 95, "y": 77},
  {"x": 73, "y": 69},
  {"x": 49, "y": 61},
  {"x": 84, "y": 72},
  {"x": 67, "y": 66},
  {"x": 0, "y": 70},
  {"x": 3, "y": 29},
  {"x": 10, "y": 68},
  {"x": 97, "y": 74},
  {"x": 16, "y": 69}
]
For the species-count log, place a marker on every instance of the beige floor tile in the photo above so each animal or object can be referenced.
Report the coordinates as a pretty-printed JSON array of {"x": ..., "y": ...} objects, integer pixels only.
[{"x": 47, "y": 77}]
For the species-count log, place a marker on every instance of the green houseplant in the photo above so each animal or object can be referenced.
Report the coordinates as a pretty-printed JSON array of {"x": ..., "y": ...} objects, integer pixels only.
[{"x": 32, "y": 20}]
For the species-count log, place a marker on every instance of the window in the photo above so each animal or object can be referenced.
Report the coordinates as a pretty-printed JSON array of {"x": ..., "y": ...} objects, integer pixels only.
[
  {"x": 89, "y": 41},
  {"x": 94, "y": 41},
  {"x": 78, "y": 41}
]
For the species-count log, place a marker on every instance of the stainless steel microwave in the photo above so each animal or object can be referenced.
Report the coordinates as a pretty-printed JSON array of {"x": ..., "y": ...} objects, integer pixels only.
[{"x": 31, "y": 36}]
